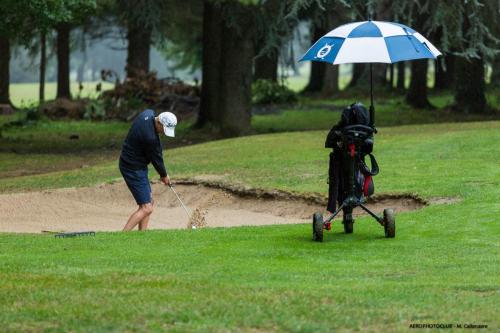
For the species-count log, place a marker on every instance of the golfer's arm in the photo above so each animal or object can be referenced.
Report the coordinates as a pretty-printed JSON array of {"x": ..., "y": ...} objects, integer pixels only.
[{"x": 157, "y": 159}]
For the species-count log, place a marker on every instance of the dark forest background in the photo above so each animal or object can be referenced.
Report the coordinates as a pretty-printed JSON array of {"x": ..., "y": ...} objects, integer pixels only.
[{"x": 224, "y": 49}]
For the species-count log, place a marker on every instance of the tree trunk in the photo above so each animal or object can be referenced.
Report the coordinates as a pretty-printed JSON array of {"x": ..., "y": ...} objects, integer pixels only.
[
  {"x": 444, "y": 77},
  {"x": 63, "y": 61},
  {"x": 330, "y": 80},
  {"x": 439, "y": 74},
  {"x": 138, "y": 49},
  {"x": 380, "y": 75},
  {"x": 93, "y": 73},
  {"x": 266, "y": 67},
  {"x": 417, "y": 92},
  {"x": 43, "y": 65},
  {"x": 80, "y": 74},
  {"x": 401, "y": 75},
  {"x": 469, "y": 81},
  {"x": 495, "y": 72},
  {"x": 227, "y": 70},
  {"x": 317, "y": 74},
  {"x": 470, "y": 86},
  {"x": 4, "y": 70},
  {"x": 211, "y": 64},
  {"x": 383, "y": 12},
  {"x": 236, "y": 78}
]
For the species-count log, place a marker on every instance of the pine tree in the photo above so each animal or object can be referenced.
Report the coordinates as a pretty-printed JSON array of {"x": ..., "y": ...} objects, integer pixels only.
[
  {"x": 232, "y": 29},
  {"x": 469, "y": 34}
]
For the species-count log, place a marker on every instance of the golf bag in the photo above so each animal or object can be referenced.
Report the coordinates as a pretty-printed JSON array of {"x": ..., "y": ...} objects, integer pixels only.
[{"x": 356, "y": 114}]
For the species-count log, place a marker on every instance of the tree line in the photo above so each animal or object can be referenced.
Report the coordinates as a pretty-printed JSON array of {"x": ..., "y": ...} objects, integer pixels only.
[{"x": 235, "y": 42}]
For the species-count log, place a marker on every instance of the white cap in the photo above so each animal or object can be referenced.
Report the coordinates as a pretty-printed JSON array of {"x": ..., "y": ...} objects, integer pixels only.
[{"x": 169, "y": 121}]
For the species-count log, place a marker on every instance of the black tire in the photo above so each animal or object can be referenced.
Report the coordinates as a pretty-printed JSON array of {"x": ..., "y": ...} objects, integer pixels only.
[
  {"x": 348, "y": 224},
  {"x": 317, "y": 227},
  {"x": 389, "y": 223},
  {"x": 349, "y": 227}
]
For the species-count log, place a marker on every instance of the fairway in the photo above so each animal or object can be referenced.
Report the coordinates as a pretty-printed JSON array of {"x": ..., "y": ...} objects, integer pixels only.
[
  {"x": 23, "y": 94},
  {"x": 442, "y": 267}
]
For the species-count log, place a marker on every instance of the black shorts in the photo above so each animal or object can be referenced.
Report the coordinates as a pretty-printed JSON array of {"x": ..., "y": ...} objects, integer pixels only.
[{"x": 138, "y": 183}]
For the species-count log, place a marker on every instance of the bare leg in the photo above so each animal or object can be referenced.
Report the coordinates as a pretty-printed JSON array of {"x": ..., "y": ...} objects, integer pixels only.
[
  {"x": 139, "y": 215},
  {"x": 143, "y": 225}
]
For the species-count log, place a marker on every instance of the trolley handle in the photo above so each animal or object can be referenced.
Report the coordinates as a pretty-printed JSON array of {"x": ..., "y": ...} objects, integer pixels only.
[{"x": 360, "y": 128}]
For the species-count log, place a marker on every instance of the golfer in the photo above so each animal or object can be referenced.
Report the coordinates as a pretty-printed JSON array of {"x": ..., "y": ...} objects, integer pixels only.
[{"x": 141, "y": 147}]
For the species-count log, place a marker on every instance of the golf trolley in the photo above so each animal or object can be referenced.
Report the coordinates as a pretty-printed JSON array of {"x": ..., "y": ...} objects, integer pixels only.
[{"x": 354, "y": 143}]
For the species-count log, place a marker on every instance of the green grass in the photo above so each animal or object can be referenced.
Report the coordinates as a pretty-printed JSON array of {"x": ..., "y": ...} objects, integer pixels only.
[
  {"x": 442, "y": 267},
  {"x": 391, "y": 110},
  {"x": 14, "y": 165},
  {"x": 22, "y": 94},
  {"x": 299, "y": 82},
  {"x": 54, "y": 136},
  {"x": 45, "y": 145},
  {"x": 254, "y": 279},
  {"x": 409, "y": 156}
]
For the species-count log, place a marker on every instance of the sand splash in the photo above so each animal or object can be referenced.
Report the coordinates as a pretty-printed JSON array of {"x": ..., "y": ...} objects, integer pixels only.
[{"x": 198, "y": 219}]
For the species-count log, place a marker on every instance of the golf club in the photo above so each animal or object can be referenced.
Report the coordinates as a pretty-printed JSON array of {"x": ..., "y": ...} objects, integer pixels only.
[{"x": 182, "y": 204}]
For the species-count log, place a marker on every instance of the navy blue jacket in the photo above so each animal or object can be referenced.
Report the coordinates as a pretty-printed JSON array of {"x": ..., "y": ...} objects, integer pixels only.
[{"x": 142, "y": 145}]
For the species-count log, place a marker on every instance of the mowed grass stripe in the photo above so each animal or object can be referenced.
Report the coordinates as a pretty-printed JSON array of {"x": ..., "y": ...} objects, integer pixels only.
[{"x": 267, "y": 277}]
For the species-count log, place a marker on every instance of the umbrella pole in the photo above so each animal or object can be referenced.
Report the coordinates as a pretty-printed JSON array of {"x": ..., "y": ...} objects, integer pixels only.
[{"x": 372, "y": 108}]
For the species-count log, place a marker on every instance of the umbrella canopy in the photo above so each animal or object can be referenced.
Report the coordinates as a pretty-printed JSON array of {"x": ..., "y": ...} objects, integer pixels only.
[{"x": 371, "y": 41}]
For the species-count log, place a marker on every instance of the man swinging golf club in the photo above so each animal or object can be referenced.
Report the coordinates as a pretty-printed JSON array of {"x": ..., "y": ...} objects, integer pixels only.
[{"x": 141, "y": 147}]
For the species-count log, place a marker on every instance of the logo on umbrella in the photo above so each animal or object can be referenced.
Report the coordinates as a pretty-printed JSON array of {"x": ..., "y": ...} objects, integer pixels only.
[{"x": 323, "y": 52}]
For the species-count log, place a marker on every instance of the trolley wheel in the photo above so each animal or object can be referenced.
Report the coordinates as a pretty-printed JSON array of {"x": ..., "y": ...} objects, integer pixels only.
[
  {"x": 348, "y": 224},
  {"x": 389, "y": 223},
  {"x": 317, "y": 227}
]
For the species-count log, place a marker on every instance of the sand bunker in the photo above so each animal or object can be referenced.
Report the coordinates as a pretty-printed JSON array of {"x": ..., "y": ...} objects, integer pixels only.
[{"x": 107, "y": 207}]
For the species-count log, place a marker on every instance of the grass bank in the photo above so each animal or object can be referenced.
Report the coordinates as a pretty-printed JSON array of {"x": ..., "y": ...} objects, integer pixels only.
[
  {"x": 34, "y": 147},
  {"x": 423, "y": 159},
  {"x": 442, "y": 267}
]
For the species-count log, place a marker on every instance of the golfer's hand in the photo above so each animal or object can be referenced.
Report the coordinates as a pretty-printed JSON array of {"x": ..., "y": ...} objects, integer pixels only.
[{"x": 166, "y": 180}]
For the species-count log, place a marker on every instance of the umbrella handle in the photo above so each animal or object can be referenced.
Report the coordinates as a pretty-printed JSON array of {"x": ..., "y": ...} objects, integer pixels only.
[{"x": 372, "y": 108}]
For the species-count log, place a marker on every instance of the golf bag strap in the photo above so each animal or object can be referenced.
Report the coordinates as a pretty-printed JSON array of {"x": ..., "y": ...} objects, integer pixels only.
[
  {"x": 364, "y": 168},
  {"x": 366, "y": 185}
]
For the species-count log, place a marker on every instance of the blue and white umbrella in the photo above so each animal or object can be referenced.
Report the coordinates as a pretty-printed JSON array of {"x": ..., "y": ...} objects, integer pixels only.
[{"x": 371, "y": 42}]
